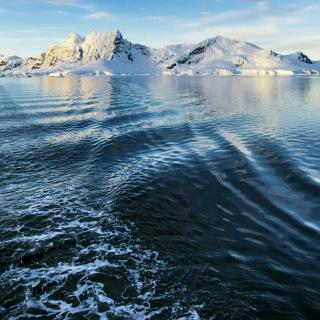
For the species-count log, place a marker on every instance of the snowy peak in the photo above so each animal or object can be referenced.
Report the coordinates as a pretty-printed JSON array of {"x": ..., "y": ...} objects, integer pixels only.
[
  {"x": 299, "y": 57},
  {"x": 218, "y": 51},
  {"x": 226, "y": 44},
  {"x": 111, "y": 45},
  {"x": 73, "y": 40},
  {"x": 102, "y": 45},
  {"x": 69, "y": 52}
]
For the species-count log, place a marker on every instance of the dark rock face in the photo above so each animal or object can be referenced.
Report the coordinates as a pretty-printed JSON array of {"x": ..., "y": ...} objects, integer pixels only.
[
  {"x": 130, "y": 57},
  {"x": 122, "y": 46},
  {"x": 36, "y": 63},
  {"x": 80, "y": 54},
  {"x": 198, "y": 50},
  {"x": 118, "y": 43},
  {"x": 171, "y": 66},
  {"x": 304, "y": 58},
  {"x": 143, "y": 49},
  {"x": 240, "y": 63},
  {"x": 274, "y": 54},
  {"x": 183, "y": 60},
  {"x": 191, "y": 57}
]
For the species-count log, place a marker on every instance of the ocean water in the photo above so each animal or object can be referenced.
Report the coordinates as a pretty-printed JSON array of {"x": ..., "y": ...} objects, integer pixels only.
[{"x": 160, "y": 198}]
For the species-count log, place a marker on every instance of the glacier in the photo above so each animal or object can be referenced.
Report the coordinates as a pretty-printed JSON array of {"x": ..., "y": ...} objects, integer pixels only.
[{"x": 109, "y": 53}]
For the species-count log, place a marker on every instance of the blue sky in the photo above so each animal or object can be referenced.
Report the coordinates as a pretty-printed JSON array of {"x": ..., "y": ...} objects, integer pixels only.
[{"x": 28, "y": 27}]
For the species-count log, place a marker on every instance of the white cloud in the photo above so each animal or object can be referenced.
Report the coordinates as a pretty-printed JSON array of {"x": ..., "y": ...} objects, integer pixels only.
[
  {"x": 220, "y": 17},
  {"x": 242, "y": 32},
  {"x": 259, "y": 23},
  {"x": 311, "y": 8},
  {"x": 313, "y": 44},
  {"x": 282, "y": 21},
  {"x": 100, "y": 15},
  {"x": 163, "y": 19},
  {"x": 73, "y": 3}
]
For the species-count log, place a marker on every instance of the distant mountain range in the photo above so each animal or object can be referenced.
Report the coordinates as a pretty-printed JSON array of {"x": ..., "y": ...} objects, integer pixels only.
[{"x": 109, "y": 53}]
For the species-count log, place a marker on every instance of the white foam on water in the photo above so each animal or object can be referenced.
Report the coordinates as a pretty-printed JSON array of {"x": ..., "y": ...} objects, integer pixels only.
[
  {"x": 89, "y": 294},
  {"x": 113, "y": 248}
]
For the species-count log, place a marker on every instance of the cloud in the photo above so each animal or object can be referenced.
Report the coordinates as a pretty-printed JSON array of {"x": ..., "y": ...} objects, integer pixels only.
[
  {"x": 230, "y": 15},
  {"x": 242, "y": 32},
  {"x": 208, "y": 18},
  {"x": 260, "y": 2},
  {"x": 73, "y": 3},
  {"x": 310, "y": 8},
  {"x": 288, "y": 21},
  {"x": 100, "y": 15},
  {"x": 163, "y": 19},
  {"x": 313, "y": 44},
  {"x": 259, "y": 22}
]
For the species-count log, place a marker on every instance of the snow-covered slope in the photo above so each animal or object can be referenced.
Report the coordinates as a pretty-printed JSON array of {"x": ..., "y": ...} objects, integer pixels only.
[
  {"x": 110, "y": 53},
  {"x": 225, "y": 56},
  {"x": 8, "y": 63},
  {"x": 104, "y": 52}
]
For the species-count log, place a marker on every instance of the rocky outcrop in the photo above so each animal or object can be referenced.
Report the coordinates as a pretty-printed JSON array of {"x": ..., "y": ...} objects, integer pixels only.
[
  {"x": 304, "y": 58},
  {"x": 35, "y": 63}
]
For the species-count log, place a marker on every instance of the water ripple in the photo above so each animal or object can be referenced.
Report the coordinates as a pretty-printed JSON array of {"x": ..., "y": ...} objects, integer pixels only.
[{"x": 159, "y": 198}]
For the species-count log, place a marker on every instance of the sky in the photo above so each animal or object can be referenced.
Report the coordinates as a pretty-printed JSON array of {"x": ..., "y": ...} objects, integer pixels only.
[{"x": 29, "y": 27}]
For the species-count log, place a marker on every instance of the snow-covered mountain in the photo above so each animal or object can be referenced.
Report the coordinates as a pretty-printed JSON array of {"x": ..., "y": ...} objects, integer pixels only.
[
  {"x": 109, "y": 53},
  {"x": 8, "y": 63},
  {"x": 104, "y": 52},
  {"x": 225, "y": 56}
]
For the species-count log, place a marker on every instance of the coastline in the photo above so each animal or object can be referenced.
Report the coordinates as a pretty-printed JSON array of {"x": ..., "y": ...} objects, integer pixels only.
[{"x": 99, "y": 74}]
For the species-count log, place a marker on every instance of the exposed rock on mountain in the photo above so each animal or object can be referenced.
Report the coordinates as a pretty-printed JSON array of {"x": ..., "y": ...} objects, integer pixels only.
[
  {"x": 302, "y": 57},
  {"x": 35, "y": 63}
]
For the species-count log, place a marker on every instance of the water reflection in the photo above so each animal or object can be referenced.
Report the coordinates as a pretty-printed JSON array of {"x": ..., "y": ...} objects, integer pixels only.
[{"x": 119, "y": 190}]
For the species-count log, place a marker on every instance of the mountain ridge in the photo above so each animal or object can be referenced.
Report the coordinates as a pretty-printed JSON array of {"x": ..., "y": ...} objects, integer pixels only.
[{"x": 110, "y": 53}]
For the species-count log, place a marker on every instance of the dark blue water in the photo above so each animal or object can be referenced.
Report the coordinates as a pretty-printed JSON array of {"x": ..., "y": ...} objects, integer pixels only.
[{"x": 160, "y": 198}]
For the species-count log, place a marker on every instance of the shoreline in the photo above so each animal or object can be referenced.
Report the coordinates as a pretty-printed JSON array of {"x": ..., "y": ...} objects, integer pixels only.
[{"x": 99, "y": 74}]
